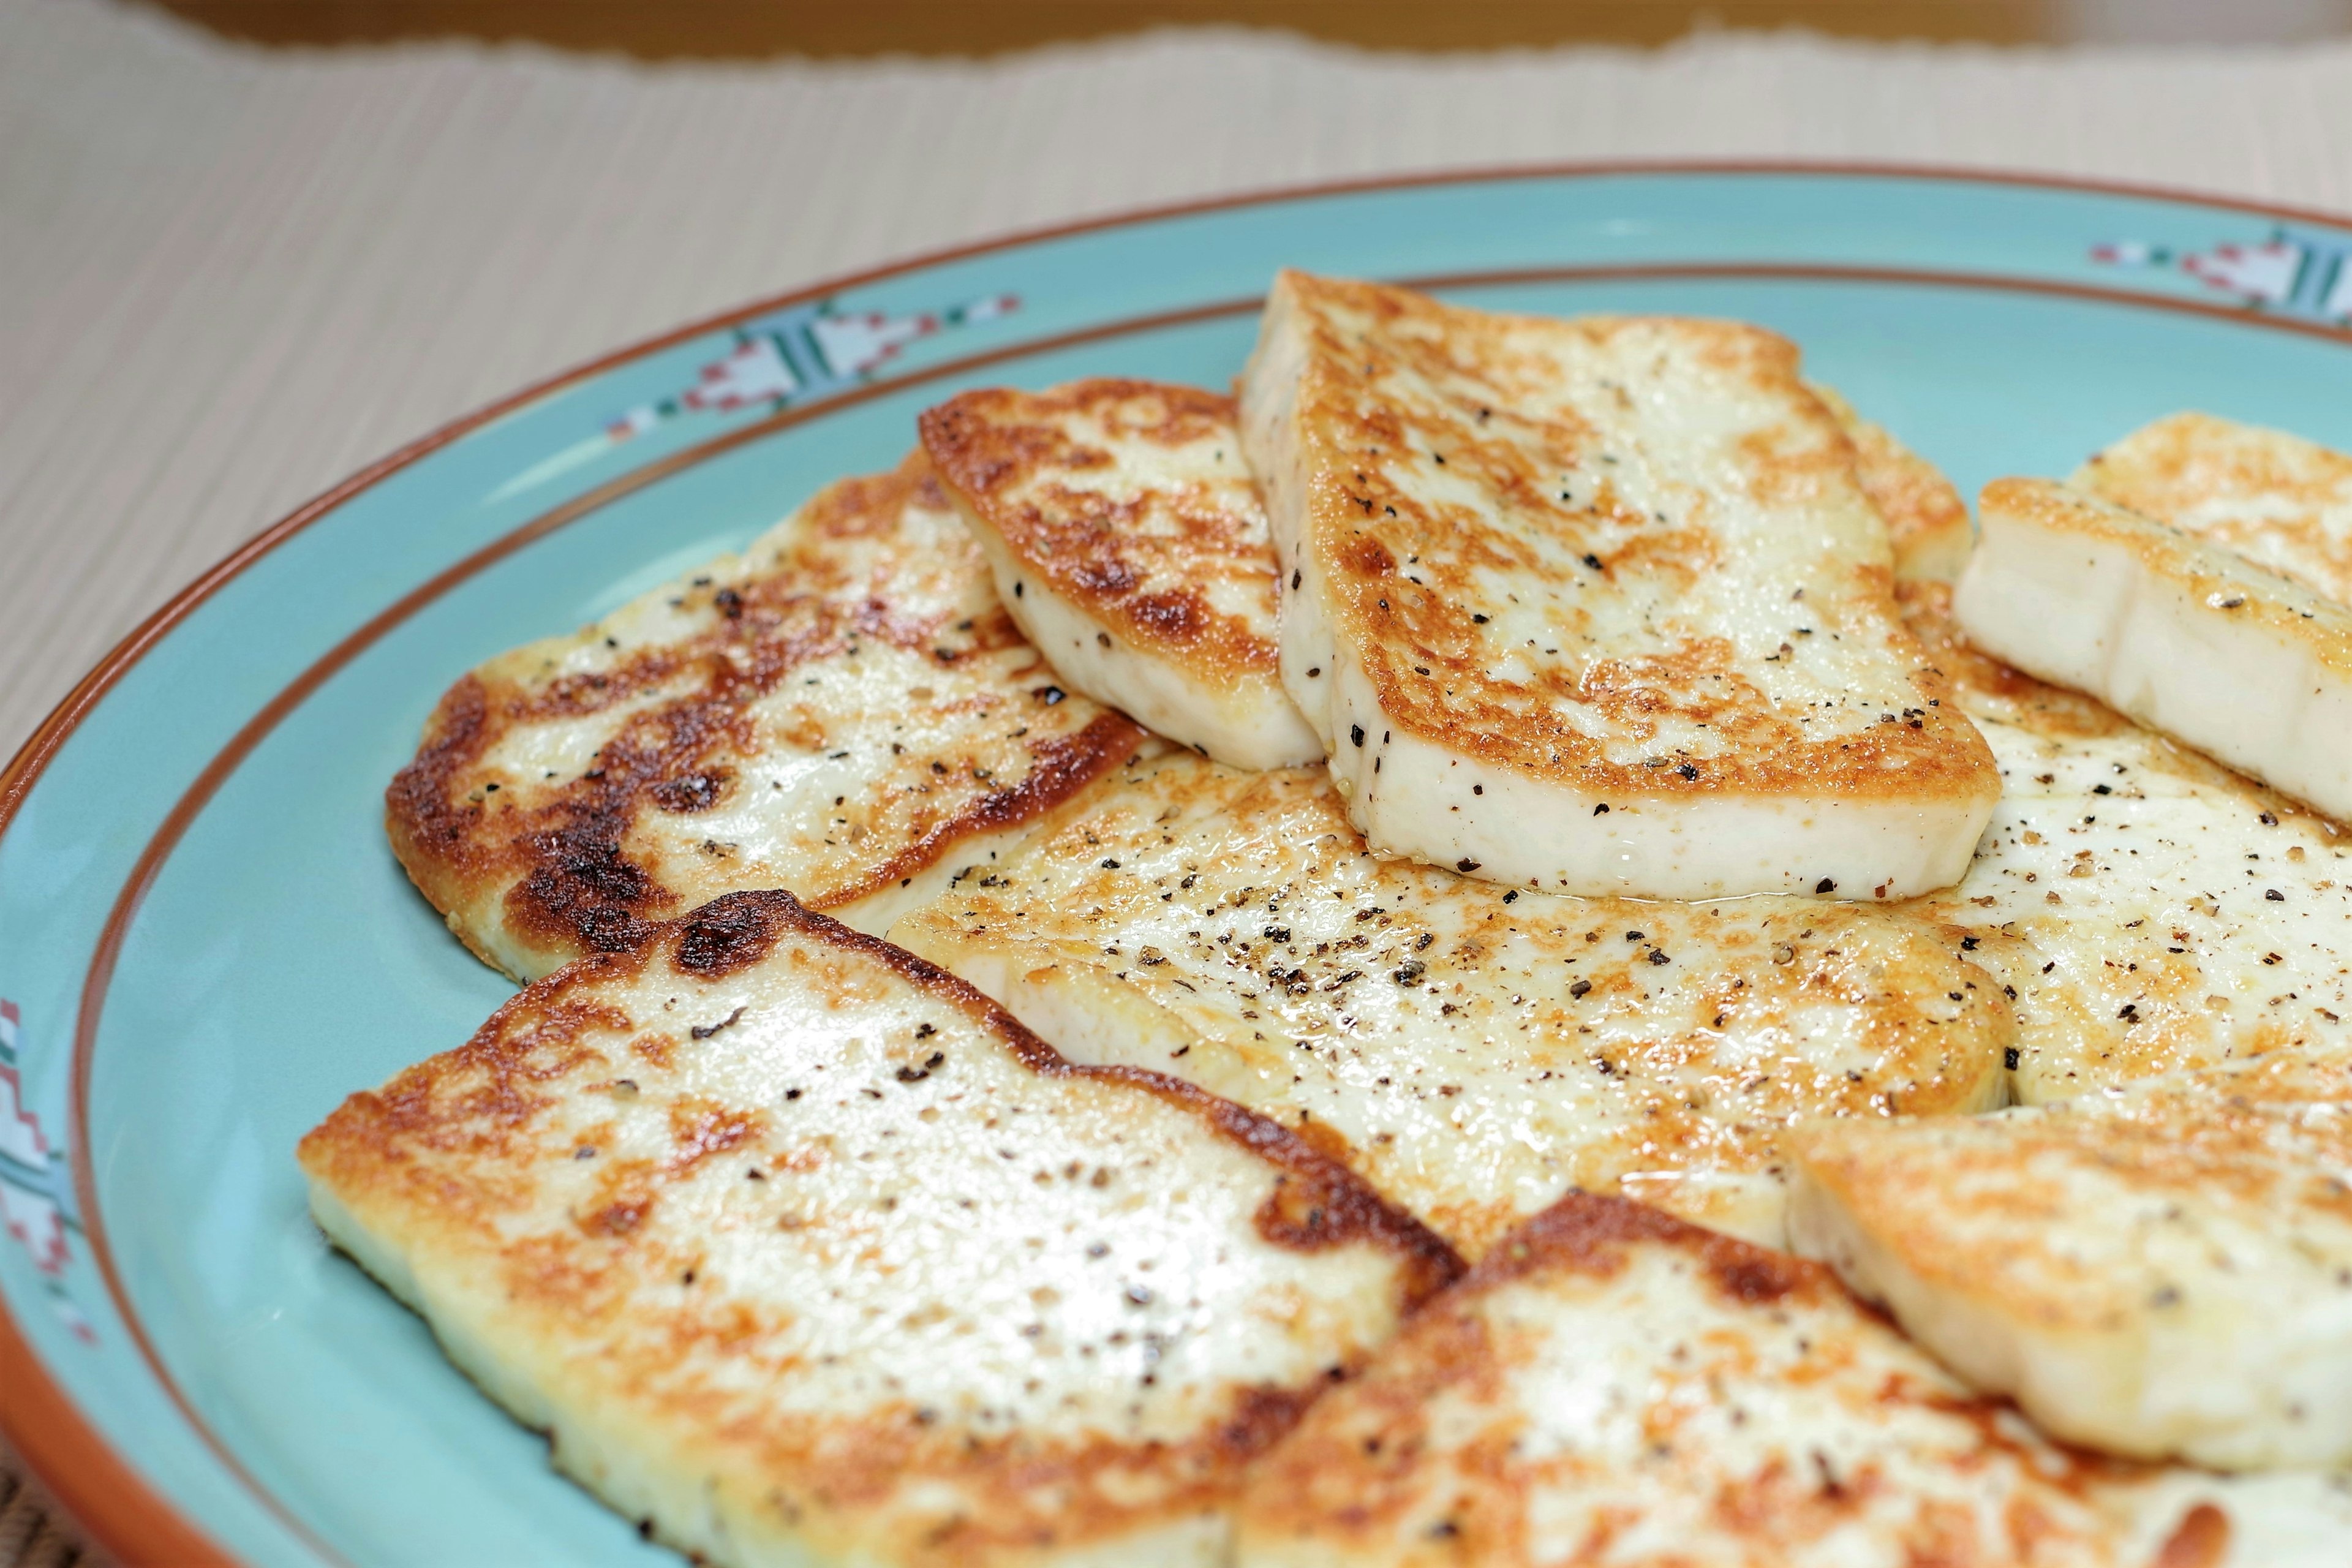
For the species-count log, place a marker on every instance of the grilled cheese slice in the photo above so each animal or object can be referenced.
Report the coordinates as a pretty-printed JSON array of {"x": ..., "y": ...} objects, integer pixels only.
[
  {"x": 1614, "y": 1387},
  {"x": 1128, "y": 543},
  {"x": 2159, "y": 1271},
  {"x": 2277, "y": 499},
  {"x": 1596, "y": 606},
  {"x": 2148, "y": 909},
  {"x": 2245, "y": 665},
  {"x": 844, "y": 711},
  {"x": 1470, "y": 1050},
  {"x": 804, "y": 1252}
]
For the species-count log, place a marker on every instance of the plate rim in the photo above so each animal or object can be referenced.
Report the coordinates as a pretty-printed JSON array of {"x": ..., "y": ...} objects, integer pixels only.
[{"x": 60, "y": 1447}]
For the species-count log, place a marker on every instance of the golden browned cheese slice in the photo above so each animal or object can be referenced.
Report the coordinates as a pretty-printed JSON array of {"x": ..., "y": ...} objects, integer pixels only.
[
  {"x": 2149, "y": 908},
  {"x": 2164, "y": 1272},
  {"x": 1598, "y": 607},
  {"x": 2277, "y": 499},
  {"x": 1129, "y": 542},
  {"x": 844, "y": 711},
  {"x": 1927, "y": 522},
  {"x": 1612, "y": 1387},
  {"x": 2251, "y": 667},
  {"x": 1470, "y": 1050},
  {"x": 802, "y": 1251}
]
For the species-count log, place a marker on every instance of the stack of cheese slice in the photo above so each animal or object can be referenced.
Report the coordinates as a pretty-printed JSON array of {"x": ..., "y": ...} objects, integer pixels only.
[
  {"x": 2145, "y": 908},
  {"x": 1472, "y": 1050},
  {"x": 1613, "y": 1386},
  {"x": 2149, "y": 908}
]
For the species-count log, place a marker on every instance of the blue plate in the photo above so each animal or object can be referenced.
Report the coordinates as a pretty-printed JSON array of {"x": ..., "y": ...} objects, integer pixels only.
[{"x": 204, "y": 943}]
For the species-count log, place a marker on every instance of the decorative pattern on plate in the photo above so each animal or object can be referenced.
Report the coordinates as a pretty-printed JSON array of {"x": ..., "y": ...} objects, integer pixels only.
[
  {"x": 786, "y": 359},
  {"x": 37, "y": 1201},
  {"x": 800, "y": 354},
  {"x": 2295, "y": 272}
]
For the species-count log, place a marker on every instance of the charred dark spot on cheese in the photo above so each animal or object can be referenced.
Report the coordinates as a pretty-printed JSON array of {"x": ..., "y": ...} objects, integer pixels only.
[
  {"x": 583, "y": 889},
  {"x": 1261, "y": 1416},
  {"x": 1370, "y": 557},
  {"x": 557, "y": 856},
  {"x": 1111, "y": 578},
  {"x": 732, "y": 933},
  {"x": 619, "y": 1218},
  {"x": 1176, "y": 617},
  {"x": 691, "y": 793},
  {"x": 1317, "y": 1203},
  {"x": 1766, "y": 1277}
]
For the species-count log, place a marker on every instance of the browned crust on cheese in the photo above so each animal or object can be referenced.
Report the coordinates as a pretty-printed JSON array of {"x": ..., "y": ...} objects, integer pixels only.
[
  {"x": 1001, "y": 451},
  {"x": 558, "y": 849},
  {"x": 2192, "y": 566},
  {"x": 1354, "y": 1474},
  {"x": 1425, "y": 658},
  {"x": 1926, "y": 517},
  {"x": 2202, "y": 1541},
  {"x": 477, "y": 1103},
  {"x": 1060, "y": 769},
  {"x": 1588, "y": 1233},
  {"x": 1688, "y": 1100},
  {"x": 1317, "y": 1203},
  {"x": 2260, "y": 493},
  {"x": 1985, "y": 685},
  {"x": 1962, "y": 1206}
]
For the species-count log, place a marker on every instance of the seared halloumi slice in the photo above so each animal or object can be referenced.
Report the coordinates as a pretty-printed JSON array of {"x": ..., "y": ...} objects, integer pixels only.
[
  {"x": 802, "y": 1251},
  {"x": 1129, "y": 542},
  {"x": 2245, "y": 665},
  {"x": 1472, "y": 1051},
  {"x": 1614, "y": 1387},
  {"x": 1597, "y": 606},
  {"x": 2277, "y": 499},
  {"x": 844, "y": 711},
  {"x": 2159, "y": 1271},
  {"x": 2149, "y": 909},
  {"x": 1927, "y": 522}
]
